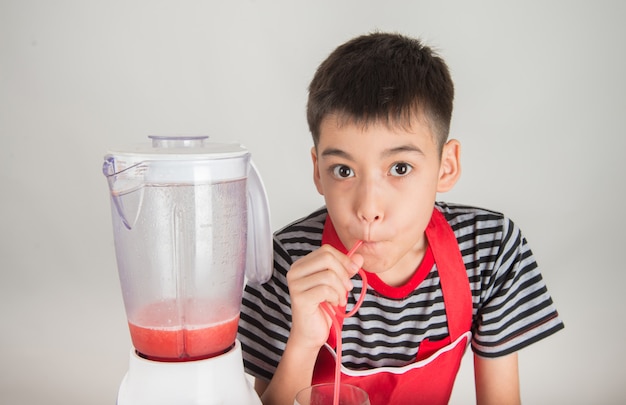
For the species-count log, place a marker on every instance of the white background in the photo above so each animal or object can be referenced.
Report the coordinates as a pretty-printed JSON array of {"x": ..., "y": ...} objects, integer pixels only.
[{"x": 540, "y": 107}]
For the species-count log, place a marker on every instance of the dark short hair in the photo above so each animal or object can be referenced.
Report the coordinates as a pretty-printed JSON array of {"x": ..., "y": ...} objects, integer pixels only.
[{"x": 382, "y": 77}]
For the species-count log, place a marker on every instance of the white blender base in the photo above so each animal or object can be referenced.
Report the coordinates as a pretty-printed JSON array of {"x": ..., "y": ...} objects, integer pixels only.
[{"x": 218, "y": 380}]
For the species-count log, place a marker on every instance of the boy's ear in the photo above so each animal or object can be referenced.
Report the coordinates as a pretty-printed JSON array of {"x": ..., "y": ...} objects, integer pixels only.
[
  {"x": 316, "y": 172},
  {"x": 450, "y": 169}
]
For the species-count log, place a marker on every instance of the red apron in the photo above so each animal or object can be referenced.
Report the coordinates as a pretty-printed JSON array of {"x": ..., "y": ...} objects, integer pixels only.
[{"x": 428, "y": 380}]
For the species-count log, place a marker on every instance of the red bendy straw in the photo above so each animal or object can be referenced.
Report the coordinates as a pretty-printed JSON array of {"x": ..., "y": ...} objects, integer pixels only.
[
  {"x": 354, "y": 248},
  {"x": 334, "y": 316}
]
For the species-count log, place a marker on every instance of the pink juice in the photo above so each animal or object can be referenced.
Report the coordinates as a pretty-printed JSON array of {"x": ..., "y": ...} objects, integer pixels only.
[{"x": 173, "y": 343}]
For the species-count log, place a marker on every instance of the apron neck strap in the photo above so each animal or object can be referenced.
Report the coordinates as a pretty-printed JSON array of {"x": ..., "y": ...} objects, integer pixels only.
[{"x": 452, "y": 273}]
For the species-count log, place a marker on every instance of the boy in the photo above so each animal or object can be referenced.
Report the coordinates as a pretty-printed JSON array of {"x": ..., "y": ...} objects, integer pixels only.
[{"x": 440, "y": 276}]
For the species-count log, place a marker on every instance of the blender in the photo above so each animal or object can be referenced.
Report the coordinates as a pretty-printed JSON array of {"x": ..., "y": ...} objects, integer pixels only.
[{"x": 190, "y": 223}]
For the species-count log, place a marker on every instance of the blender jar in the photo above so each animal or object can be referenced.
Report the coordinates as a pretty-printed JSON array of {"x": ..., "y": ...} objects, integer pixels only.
[{"x": 190, "y": 221}]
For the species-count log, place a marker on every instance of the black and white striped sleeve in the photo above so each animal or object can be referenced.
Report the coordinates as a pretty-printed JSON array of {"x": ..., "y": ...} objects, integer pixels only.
[{"x": 514, "y": 307}]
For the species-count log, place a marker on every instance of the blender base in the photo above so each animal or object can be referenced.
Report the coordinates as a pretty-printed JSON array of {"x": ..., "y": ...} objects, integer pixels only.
[{"x": 218, "y": 380}]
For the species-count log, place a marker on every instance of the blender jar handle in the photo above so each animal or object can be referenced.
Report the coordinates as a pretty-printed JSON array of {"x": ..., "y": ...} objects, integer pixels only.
[{"x": 260, "y": 253}]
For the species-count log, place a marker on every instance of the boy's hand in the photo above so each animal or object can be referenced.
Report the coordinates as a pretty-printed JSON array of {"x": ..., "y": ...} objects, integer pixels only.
[{"x": 321, "y": 276}]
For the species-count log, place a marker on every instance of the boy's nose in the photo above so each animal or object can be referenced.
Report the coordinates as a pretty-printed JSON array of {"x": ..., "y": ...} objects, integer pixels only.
[
  {"x": 369, "y": 204},
  {"x": 369, "y": 218}
]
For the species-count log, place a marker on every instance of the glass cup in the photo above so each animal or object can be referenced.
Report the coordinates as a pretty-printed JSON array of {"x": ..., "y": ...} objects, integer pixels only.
[{"x": 324, "y": 394}]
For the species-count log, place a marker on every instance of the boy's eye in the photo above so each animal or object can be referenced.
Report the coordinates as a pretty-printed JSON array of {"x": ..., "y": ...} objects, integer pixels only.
[
  {"x": 342, "y": 171},
  {"x": 401, "y": 169}
]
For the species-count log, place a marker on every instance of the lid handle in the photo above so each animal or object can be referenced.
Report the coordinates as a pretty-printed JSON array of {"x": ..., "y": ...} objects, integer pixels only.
[{"x": 162, "y": 142}]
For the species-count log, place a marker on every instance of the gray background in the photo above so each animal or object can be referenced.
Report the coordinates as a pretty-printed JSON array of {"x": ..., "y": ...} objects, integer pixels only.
[{"x": 539, "y": 111}]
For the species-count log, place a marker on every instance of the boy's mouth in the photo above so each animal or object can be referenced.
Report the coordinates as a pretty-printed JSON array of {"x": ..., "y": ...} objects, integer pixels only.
[{"x": 368, "y": 245}]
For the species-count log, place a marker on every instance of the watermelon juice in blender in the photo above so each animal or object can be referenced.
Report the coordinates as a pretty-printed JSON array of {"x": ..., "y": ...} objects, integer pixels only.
[
  {"x": 190, "y": 221},
  {"x": 156, "y": 341}
]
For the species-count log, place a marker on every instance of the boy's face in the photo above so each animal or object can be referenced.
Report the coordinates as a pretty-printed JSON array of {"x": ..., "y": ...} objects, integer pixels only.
[{"x": 380, "y": 185}]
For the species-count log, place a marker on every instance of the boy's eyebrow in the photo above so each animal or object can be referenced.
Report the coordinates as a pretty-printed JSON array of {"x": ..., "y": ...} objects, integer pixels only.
[
  {"x": 402, "y": 148},
  {"x": 336, "y": 152}
]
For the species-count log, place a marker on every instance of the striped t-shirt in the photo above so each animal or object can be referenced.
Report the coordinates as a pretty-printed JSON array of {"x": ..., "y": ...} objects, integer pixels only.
[{"x": 511, "y": 305}]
